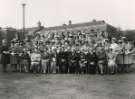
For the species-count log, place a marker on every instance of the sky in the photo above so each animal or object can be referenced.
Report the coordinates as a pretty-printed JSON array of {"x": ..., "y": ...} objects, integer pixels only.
[{"x": 119, "y": 13}]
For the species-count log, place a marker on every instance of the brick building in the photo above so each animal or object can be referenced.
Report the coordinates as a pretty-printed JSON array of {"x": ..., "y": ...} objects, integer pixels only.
[{"x": 93, "y": 27}]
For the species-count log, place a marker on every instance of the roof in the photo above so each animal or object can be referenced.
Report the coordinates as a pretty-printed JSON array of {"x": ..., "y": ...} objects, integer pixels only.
[
  {"x": 92, "y": 23},
  {"x": 29, "y": 29},
  {"x": 75, "y": 25}
]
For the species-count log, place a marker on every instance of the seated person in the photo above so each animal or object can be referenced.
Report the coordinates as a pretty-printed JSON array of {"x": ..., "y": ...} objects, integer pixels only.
[{"x": 35, "y": 61}]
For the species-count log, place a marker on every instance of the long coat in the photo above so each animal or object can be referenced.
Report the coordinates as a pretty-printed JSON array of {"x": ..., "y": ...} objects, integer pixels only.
[{"x": 5, "y": 58}]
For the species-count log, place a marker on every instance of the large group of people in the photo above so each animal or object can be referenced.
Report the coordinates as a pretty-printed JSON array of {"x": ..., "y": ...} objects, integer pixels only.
[{"x": 68, "y": 52}]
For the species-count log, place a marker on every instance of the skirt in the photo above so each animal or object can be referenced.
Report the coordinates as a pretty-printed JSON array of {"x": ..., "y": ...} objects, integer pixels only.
[
  {"x": 111, "y": 63},
  {"x": 5, "y": 58},
  {"x": 125, "y": 59},
  {"x": 13, "y": 59}
]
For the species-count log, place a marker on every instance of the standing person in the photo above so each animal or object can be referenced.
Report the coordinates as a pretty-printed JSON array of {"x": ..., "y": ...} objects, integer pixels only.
[
  {"x": 53, "y": 61},
  {"x": 67, "y": 58},
  {"x": 62, "y": 61},
  {"x": 44, "y": 60},
  {"x": 5, "y": 56},
  {"x": 24, "y": 65},
  {"x": 72, "y": 66},
  {"x": 120, "y": 56},
  {"x": 107, "y": 45},
  {"x": 77, "y": 58},
  {"x": 48, "y": 62},
  {"x": 14, "y": 56},
  {"x": 129, "y": 57},
  {"x": 13, "y": 60},
  {"x": 114, "y": 46}
]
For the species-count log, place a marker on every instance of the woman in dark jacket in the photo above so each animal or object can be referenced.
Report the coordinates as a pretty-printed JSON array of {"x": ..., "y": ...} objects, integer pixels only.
[{"x": 5, "y": 56}]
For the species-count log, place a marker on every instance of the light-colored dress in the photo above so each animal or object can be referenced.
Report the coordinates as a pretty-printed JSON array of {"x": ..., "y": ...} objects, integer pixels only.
[{"x": 111, "y": 59}]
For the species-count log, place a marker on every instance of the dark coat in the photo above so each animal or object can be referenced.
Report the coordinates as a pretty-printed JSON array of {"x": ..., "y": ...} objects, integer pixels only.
[
  {"x": 5, "y": 58},
  {"x": 92, "y": 57}
]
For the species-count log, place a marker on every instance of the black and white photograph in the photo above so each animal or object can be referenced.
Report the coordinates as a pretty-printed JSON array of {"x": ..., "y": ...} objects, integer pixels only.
[{"x": 67, "y": 49}]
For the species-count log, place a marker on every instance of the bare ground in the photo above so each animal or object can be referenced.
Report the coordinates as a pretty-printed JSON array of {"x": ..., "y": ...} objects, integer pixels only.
[{"x": 67, "y": 86}]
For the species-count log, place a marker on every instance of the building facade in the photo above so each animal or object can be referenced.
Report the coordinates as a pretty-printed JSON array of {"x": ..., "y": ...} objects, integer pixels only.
[{"x": 95, "y": 27}]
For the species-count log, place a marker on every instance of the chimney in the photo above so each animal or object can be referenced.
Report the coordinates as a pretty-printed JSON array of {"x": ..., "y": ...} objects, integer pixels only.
[
  {"x": 70, "y": 22},
  {"x": 94, "y": 20},
  {"x": 64, "y": 25},
  {"x": 39, "y": 24}
]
